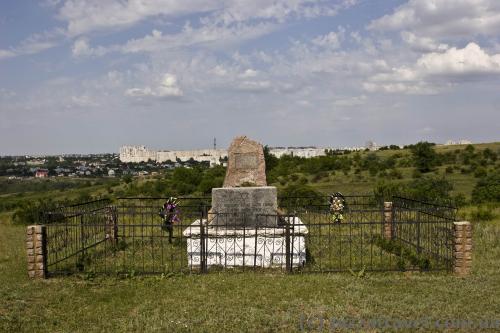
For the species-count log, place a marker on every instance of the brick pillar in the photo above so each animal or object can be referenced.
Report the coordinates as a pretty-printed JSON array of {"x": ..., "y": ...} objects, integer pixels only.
[
  {"x": 111, "y": 224},
  {"x": 36, "y": 246},
  {"x": 462, "y": 248},
  {"x": 388, "y": 219}
]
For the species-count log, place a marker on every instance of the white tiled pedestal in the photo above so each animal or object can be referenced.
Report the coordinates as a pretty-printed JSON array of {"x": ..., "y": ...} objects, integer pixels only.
[{"x": 251, "y": 247}]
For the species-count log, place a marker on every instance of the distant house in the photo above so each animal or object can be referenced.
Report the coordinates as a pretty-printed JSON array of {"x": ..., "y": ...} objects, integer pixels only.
[
  {"x": 41, "y": 173},
  {"x": 111, "y": 173}
]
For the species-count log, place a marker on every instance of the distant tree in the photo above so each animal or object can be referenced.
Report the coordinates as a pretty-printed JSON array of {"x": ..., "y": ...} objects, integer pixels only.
[
  {"x": 213, "y": 177},
  {"x": 127, "y": 178},
  {"x": 489, "y": 154},
  {"x": 384, "y": 191},
  {"x": 428, "y": 189},
  {"x": 433, "y": 189},
  {"x": 185, "y": 181},
  {"x": 296, "y": 195},
  {"x": 424, "y": 156},
  {"x": 271, "y": 160}
]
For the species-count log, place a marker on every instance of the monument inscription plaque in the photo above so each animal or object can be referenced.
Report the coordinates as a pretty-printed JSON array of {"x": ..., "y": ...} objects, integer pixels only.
[
  {"x": 246, "y": 164},
  {"x": 245, "y": 206},
  {"x": 245, "y": 161}
]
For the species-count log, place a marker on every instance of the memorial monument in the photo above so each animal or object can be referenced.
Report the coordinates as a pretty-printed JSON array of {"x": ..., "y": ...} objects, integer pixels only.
[{"x": 243, "y": 226}]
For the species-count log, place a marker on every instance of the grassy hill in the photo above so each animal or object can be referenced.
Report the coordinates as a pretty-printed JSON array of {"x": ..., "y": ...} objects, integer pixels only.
[{"x": 250, "y": 302}]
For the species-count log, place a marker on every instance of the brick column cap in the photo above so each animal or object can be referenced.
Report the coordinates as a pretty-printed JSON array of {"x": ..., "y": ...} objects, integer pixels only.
[
  {"x": 462, "y": 223},
  {"x": 37, "y": 227}
]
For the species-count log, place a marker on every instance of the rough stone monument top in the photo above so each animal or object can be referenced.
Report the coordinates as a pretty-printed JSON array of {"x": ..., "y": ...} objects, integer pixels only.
[{"x": 246, "y": 165}]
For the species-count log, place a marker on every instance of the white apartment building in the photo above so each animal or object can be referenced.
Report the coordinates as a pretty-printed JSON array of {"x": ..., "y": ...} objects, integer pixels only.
[{"x": 136, "y": 154}]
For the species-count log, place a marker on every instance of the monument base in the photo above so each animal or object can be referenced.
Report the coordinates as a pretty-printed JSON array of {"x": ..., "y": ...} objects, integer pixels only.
[{"x": 247, "y": 247}]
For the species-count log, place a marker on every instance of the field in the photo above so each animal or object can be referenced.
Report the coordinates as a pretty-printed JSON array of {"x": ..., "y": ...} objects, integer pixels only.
[{"x": 251, "y": 301}]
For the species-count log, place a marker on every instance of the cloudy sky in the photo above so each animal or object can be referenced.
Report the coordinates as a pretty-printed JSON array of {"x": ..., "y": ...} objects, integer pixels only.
[{"x": 91, "y": 75}]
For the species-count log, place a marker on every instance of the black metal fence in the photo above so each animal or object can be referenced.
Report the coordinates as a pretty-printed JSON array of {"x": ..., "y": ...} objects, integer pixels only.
[
  {"x": 127, "y": 236},
  {"x": 425, "y": 228}
]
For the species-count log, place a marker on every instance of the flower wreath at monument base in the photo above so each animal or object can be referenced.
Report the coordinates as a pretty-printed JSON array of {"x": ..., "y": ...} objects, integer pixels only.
[
  {"x": 337, "y": 206},
  {"x": 169, "y": 214}
]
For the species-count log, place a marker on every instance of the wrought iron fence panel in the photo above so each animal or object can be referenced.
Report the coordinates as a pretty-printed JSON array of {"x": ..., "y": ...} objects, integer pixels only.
[
  {"x": 130, "y": 237},
  {"x": 425, "y": 227},
  {"x": 68, "y": 240}
]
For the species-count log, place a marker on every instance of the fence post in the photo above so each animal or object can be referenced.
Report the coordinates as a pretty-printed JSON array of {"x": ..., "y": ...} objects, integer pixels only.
[
  {"x": 419, "y": 219},
  {"x": 203, "y": 263},
  {"x": 111, "y": 224},
  {"x": 36, "y": 248},
  {"x": 288, "y": 255},
  {"x": 462, "y": 248},
  {"x": 388, "y": 220}
]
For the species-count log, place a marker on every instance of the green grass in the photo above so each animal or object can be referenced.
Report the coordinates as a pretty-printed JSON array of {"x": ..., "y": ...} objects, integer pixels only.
[{"x": 239, "y": 302}]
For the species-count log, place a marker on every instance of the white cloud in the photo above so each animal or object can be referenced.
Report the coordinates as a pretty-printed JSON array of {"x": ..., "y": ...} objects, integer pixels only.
[
  {"x": 7, "y": 93},
  {"x": 351, "y": 101},
  {"x": 221, "y": 22},
  {"x": 444, "y": 18},
  {"x": 249, "y": 73},
  {"x": 422, "y": 44},
  {"x": 415, "y": 88},
  {"x": 209, "y": 36},
  {"x": 426, "y": 130},
  {"x": 167, "y": 87},
  {"x": 219, "y": 70},
  {"x": 81, "y": 48},
  {"x": 33, "y": 44},
  {"x": 471, "y": 60},
  {"x": 50, "y": 3},
  {"x": 84, "y": 16},
  {"x": 331, "y": 40},
  {"x": 83, "y": 101},
  {"x": 435, "y": 71},
  {"x": 4, "y": 54},
  {"x": 255, "y": 86}
]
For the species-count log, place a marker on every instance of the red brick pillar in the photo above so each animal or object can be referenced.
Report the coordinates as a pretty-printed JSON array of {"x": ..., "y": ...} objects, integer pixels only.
[
  {"x": 388, "y": 220},
  {"x": 462, "y": 248},
  {"x": 36, "y": 248}
]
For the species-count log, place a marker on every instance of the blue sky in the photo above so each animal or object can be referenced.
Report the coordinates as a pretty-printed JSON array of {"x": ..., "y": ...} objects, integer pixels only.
[{"x": 80, "y": 76}]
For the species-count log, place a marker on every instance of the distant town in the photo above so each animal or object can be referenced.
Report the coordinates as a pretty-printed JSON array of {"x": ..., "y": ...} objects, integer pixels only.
[{"x": 139, "y": 160}]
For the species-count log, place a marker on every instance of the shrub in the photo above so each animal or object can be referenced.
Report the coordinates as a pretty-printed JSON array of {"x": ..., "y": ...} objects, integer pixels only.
[
  {"x": 384, "y": 191},
  {"x": 432, "y": 189},
  {"x": 480, "y": 172},
  {"x": 29, "y": 211},
  {"x": 487, "y": 189},
  {"x": 428, "y": 189},
  {"x": 406, "y": 255},
  {"x": 482, "y": 214},
  {"x": 395, "y": 174},
  {"x": 295, "y": 195}
]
